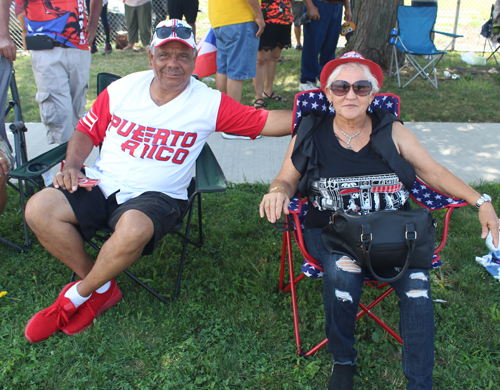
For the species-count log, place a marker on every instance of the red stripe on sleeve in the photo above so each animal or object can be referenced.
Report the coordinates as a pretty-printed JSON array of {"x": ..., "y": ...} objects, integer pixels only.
[
  {"x": 96, "y": 120},
  {"x": 236, "y": 118}
]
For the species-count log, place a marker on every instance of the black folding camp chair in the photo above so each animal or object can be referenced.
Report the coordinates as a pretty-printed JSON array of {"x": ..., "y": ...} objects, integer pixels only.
[{"x": 27, "y": 172}]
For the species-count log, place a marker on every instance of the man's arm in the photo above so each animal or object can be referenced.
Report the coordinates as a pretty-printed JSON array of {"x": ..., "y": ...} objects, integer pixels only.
[
  {"x": 348, "y": 11},
  {"x": 79, "y": 147},
  {"x": 7, "y": 45},
  {"x": 95, "y": 8},
  {"x": 259, "y": 18},
  {"x": 278, "y": 123}
]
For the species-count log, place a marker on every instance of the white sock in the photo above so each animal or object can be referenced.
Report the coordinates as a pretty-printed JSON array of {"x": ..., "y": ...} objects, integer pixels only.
[
  {"x": 104, "y": 288},
  {"x": 73, "y": 295}
]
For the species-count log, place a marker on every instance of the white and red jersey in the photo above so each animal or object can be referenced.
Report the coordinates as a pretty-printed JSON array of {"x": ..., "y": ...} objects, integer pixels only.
[{"x": 146, "y": 147}]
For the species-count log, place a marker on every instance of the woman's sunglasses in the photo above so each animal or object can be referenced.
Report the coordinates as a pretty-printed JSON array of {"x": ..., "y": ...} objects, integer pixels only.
[
  {"x": 360, "y": 88},
  {"x": 181, "y": 31}
]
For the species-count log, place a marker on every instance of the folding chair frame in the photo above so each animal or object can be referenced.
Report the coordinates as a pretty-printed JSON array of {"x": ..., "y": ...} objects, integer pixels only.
[
  {"x": 293, "y": 224},
  {"x": 433, "y": 61},
  {"x": 27, "y": 170},
  {"x": 488, "y": 39}
]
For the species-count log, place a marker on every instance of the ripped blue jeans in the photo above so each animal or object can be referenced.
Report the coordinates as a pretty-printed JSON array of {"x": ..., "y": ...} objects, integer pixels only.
[{"x": 342, "y": 288}]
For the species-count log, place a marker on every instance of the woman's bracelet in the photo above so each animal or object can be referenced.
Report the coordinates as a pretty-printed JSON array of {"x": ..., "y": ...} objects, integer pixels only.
[{"x": 275, "y": 188}]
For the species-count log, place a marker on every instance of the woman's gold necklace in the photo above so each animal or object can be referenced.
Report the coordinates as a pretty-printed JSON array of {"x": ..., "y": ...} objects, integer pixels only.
[{"x": 351, "y": 136}]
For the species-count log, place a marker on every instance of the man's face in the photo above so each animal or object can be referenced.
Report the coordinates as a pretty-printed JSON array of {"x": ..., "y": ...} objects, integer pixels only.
[{"x": 173, "y": 64}]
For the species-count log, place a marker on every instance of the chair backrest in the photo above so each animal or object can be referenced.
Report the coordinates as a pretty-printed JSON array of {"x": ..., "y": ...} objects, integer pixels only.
[
  {"x": 104, "y": 79},
  {"x": 424, "y": 195},
  {"x": 415, "y": 25}
]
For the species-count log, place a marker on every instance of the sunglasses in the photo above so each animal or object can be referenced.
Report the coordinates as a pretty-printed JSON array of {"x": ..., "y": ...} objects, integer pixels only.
[
  {"x": 181, "y": 31},
  {"x": 360, "y": 88}
]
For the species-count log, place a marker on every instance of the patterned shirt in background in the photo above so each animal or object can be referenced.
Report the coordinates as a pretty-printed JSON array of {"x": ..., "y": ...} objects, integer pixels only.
[{"x": 278, "y": 11}]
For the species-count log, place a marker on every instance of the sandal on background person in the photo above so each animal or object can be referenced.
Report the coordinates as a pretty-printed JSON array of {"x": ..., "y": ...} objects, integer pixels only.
[
  {"x": 259, "y": 103},
  {"x": 273, "y": 96}
]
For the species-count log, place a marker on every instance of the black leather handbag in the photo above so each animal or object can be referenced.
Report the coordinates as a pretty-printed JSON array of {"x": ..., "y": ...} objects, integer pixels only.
[{"x": 392, "y": 238}]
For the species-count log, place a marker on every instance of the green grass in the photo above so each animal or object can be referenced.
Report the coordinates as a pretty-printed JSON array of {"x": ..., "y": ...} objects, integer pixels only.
[{"x": 231, "y": 328}]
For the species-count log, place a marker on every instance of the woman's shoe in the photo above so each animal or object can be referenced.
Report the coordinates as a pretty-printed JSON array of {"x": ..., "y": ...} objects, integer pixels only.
[
  {"x": 342, "y": 377},
  {"x": 273, "y": 96},
  {"x": 259, "y": 103}
]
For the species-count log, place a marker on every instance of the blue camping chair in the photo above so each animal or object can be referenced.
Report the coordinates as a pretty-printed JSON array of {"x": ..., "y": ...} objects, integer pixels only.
[
  {"x": 421, "y": 193},
  {"x": 415, "y": 26}
]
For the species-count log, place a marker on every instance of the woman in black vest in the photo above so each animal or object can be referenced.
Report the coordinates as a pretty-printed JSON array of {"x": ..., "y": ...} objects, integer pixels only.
[{"x": 364, "y": 161}]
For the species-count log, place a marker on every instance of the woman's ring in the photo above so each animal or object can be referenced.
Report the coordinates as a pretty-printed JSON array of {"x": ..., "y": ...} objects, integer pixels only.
[{"x": 59, "y": 173}]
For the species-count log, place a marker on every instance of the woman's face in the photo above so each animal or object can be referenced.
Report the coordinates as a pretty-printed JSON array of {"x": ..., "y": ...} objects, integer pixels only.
[{"x": 350, "y": 106}]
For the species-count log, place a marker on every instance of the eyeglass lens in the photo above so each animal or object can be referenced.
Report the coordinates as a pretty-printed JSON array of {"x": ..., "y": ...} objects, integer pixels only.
[
  {"x": 181, "y": 31},
  {"x": 360, "y": 88}
]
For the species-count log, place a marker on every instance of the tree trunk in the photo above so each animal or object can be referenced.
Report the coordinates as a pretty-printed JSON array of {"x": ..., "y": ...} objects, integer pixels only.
[{"x": 374, "y": 21}]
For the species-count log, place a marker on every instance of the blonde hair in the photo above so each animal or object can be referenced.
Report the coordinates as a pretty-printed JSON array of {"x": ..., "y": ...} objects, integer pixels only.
[{"x": 355, "y": 65}]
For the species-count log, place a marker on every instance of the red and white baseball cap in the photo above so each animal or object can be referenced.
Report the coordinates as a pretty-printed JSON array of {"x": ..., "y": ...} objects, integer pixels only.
[{"x": 173, "y": 30}]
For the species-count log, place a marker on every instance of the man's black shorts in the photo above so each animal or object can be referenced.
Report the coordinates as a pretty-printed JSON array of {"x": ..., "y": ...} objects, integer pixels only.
[
  {"x": 187, "y": 8},
  {"x": 95, "y": 212}
]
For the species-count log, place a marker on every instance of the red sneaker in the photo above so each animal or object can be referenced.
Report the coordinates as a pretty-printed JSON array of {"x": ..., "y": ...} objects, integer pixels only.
[
  {"x": 44, "y": 323},
  {"x": 92, "y": 308}
]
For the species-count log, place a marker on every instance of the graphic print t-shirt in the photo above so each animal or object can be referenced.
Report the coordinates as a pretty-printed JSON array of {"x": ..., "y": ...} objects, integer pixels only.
[
  {"x": 146, "y": 147},
  {"x": 357, "y": 182},
  {"x": 62, "y": 20}
]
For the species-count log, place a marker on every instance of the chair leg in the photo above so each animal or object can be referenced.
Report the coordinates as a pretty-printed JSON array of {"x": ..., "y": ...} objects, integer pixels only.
[
  {"x": 12, "y": 245},
  {"x": 185, "y": 241},
  {"x": 149, "y": 289},
  {"x": 292, "y": 290}
]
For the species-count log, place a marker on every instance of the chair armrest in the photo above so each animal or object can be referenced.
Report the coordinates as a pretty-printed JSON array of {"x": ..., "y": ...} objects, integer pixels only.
[
  {"x": 209, "y": 175},
  {"x": 447, "y": 34},
  {"x": 40, "y": 164}
]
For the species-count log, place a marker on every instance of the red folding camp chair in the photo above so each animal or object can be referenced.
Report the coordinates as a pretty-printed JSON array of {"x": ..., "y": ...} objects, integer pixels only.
[{"x": 421, "y": 193}]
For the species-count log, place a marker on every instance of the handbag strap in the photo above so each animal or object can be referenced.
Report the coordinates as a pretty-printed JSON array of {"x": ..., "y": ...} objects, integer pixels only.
[{"x": 410, "y": 237}]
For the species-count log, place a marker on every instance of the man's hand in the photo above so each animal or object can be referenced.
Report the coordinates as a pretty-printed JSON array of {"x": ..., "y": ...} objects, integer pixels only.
[
  {"x": 7, "y": 45},
  {"x": 312, "y": 10},
  {"x": 8, "y": 48},
  {"x": 68, "y": 179},
  {"x": 91, "y": 32},
  {"x": 4, "y": 165},
  {"x": 348, "y": 12}
]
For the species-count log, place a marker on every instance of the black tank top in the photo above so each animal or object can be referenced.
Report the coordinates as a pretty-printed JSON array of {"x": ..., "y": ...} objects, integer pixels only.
[{"x": 359, "y": 182}]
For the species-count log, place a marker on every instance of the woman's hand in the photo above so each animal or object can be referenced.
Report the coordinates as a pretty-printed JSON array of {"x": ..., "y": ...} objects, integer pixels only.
[
  {"x": 489, "y": 221},
  {"x": 273, "y": 204}
]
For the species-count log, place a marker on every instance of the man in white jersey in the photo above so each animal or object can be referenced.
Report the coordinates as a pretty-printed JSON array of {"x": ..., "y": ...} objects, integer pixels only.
[{"x": 152, "y": 126}]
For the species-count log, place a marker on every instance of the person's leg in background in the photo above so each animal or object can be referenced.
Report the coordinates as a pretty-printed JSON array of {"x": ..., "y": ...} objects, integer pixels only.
[
  {"x": 105, "y": 26},
  {"x": 132, "y": 26},
  {"x": 144, "y": 18},
  {"x": 263, "y": 59},
  {"x": 314, "y": 36},
  {"x": 332, "y": 32},
  {"x": 297, "y": 10}
]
